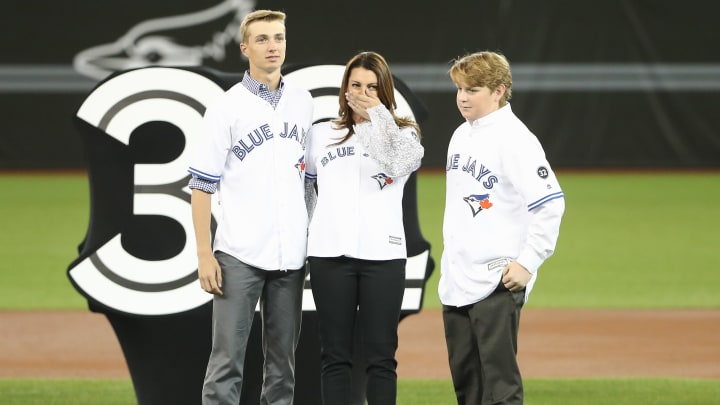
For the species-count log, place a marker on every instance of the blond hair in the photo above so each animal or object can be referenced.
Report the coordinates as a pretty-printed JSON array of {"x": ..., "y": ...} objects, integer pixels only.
[
  {"x": 483, "y": 69},
  {"x": 259, "y": 15}
]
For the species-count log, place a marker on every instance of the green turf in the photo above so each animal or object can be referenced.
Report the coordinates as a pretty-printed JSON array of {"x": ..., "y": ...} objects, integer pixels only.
[
  {"x": 634, "y": 391},
  {"x": 44, "y": 218},
  {"x": 66, "y": 392},
  {"x": 410, "y": 392},
  {"x": 627, "y": 241},
  {"x": 579, "y": 392}
]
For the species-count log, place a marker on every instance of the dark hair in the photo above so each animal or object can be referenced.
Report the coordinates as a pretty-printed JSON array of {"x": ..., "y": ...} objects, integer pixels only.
[{"x": 375, "y": 63}]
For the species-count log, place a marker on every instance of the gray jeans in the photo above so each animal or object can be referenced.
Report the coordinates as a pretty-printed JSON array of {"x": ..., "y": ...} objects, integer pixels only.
[{"x": 280, "y": 296}]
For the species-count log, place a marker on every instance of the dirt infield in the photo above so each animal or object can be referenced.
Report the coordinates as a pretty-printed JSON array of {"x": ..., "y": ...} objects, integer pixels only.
[{"x": 553, "y": 343}]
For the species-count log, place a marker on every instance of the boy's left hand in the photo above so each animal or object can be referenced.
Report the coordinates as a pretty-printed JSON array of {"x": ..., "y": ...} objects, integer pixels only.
[{"x": 515, "y": 277}]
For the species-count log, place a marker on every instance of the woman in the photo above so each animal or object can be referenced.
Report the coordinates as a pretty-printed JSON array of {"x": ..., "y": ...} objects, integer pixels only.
[{"x": 359, "y": 164}]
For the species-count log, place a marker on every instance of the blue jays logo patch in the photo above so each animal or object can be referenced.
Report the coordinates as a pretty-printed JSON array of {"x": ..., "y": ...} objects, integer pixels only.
[
  {"x": 382, "y": 179},
  {"x": 300, "y": 166},
  {"x": 478, "y": 202}
]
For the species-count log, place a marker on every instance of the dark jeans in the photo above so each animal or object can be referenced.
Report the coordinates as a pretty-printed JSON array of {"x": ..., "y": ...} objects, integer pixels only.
[
  {"x": 482, "y": 347},
  {"x": 358, "y": 297}
]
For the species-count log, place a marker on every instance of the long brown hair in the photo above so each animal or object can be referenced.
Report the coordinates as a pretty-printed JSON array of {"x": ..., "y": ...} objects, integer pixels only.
[{"x": 375, "y": 63}]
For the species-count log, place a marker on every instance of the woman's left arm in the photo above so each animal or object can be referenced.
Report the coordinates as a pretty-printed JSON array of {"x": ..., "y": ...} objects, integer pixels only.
[{"x": 397, "y": 150}]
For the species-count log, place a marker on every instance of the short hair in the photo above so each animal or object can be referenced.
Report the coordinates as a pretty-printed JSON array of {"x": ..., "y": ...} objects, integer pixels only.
[
  {"x": 483, "y": 69},
  {"x": 258, "y": 15}
]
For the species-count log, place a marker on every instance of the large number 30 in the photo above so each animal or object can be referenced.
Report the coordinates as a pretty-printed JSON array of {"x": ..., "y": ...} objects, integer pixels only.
[{"x": 113, "y": 276}]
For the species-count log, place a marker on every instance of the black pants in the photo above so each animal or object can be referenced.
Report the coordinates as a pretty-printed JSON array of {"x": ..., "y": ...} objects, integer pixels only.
[
  {"x": 362, "y": 297},
  {"x": 482, "y": 347}
]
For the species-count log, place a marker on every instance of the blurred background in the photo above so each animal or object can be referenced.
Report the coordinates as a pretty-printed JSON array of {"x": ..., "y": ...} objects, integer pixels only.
[
  {"x": 623, "y": 95},
  {"x": 618, "y": 83}
]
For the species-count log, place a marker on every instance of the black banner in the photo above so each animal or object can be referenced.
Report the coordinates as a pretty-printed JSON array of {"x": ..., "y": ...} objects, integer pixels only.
[{"x": 618, "y": 83}]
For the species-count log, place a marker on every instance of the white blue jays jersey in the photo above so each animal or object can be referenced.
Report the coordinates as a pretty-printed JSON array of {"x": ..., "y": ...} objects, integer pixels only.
[
  {"x": 359, "y": 206},
  {"x": 256, "y": 154},
  {"x": 497, "y": 180}
]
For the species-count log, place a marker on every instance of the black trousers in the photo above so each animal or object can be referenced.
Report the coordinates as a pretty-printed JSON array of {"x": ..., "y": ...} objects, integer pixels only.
[
  {"x": 482, "y": 348},
  {"x": 358, "y": 297}
]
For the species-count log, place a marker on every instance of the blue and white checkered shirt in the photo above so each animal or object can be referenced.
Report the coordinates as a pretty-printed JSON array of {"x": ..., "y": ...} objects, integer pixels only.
[{"x": 259, "y": 89}]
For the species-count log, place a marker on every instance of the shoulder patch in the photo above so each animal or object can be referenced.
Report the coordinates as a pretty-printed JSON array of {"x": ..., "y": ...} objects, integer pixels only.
[{"x": 542, "y": 171}]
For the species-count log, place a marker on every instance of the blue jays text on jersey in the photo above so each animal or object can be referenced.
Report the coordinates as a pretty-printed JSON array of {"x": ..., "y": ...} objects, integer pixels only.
[
  {"x": 259, "y": 135},
  {"x": 339, "y": 152},
  {"x": 471, "y": 168}
]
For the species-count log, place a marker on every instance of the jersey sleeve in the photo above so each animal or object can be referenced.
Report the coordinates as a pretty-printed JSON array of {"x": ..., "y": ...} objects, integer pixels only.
[
  {"x": 543, "y": 233},
  {"x": 535, "y": 180},
  {"x": 530, "y": 172},
  {"x": 210, "y": 149},
  {"x": 397, "y": 150}
]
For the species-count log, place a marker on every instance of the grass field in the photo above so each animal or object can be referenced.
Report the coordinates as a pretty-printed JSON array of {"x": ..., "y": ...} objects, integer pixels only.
[
  {"x": 410, "y": 392},
  {"x": 627, "y": 241}
]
